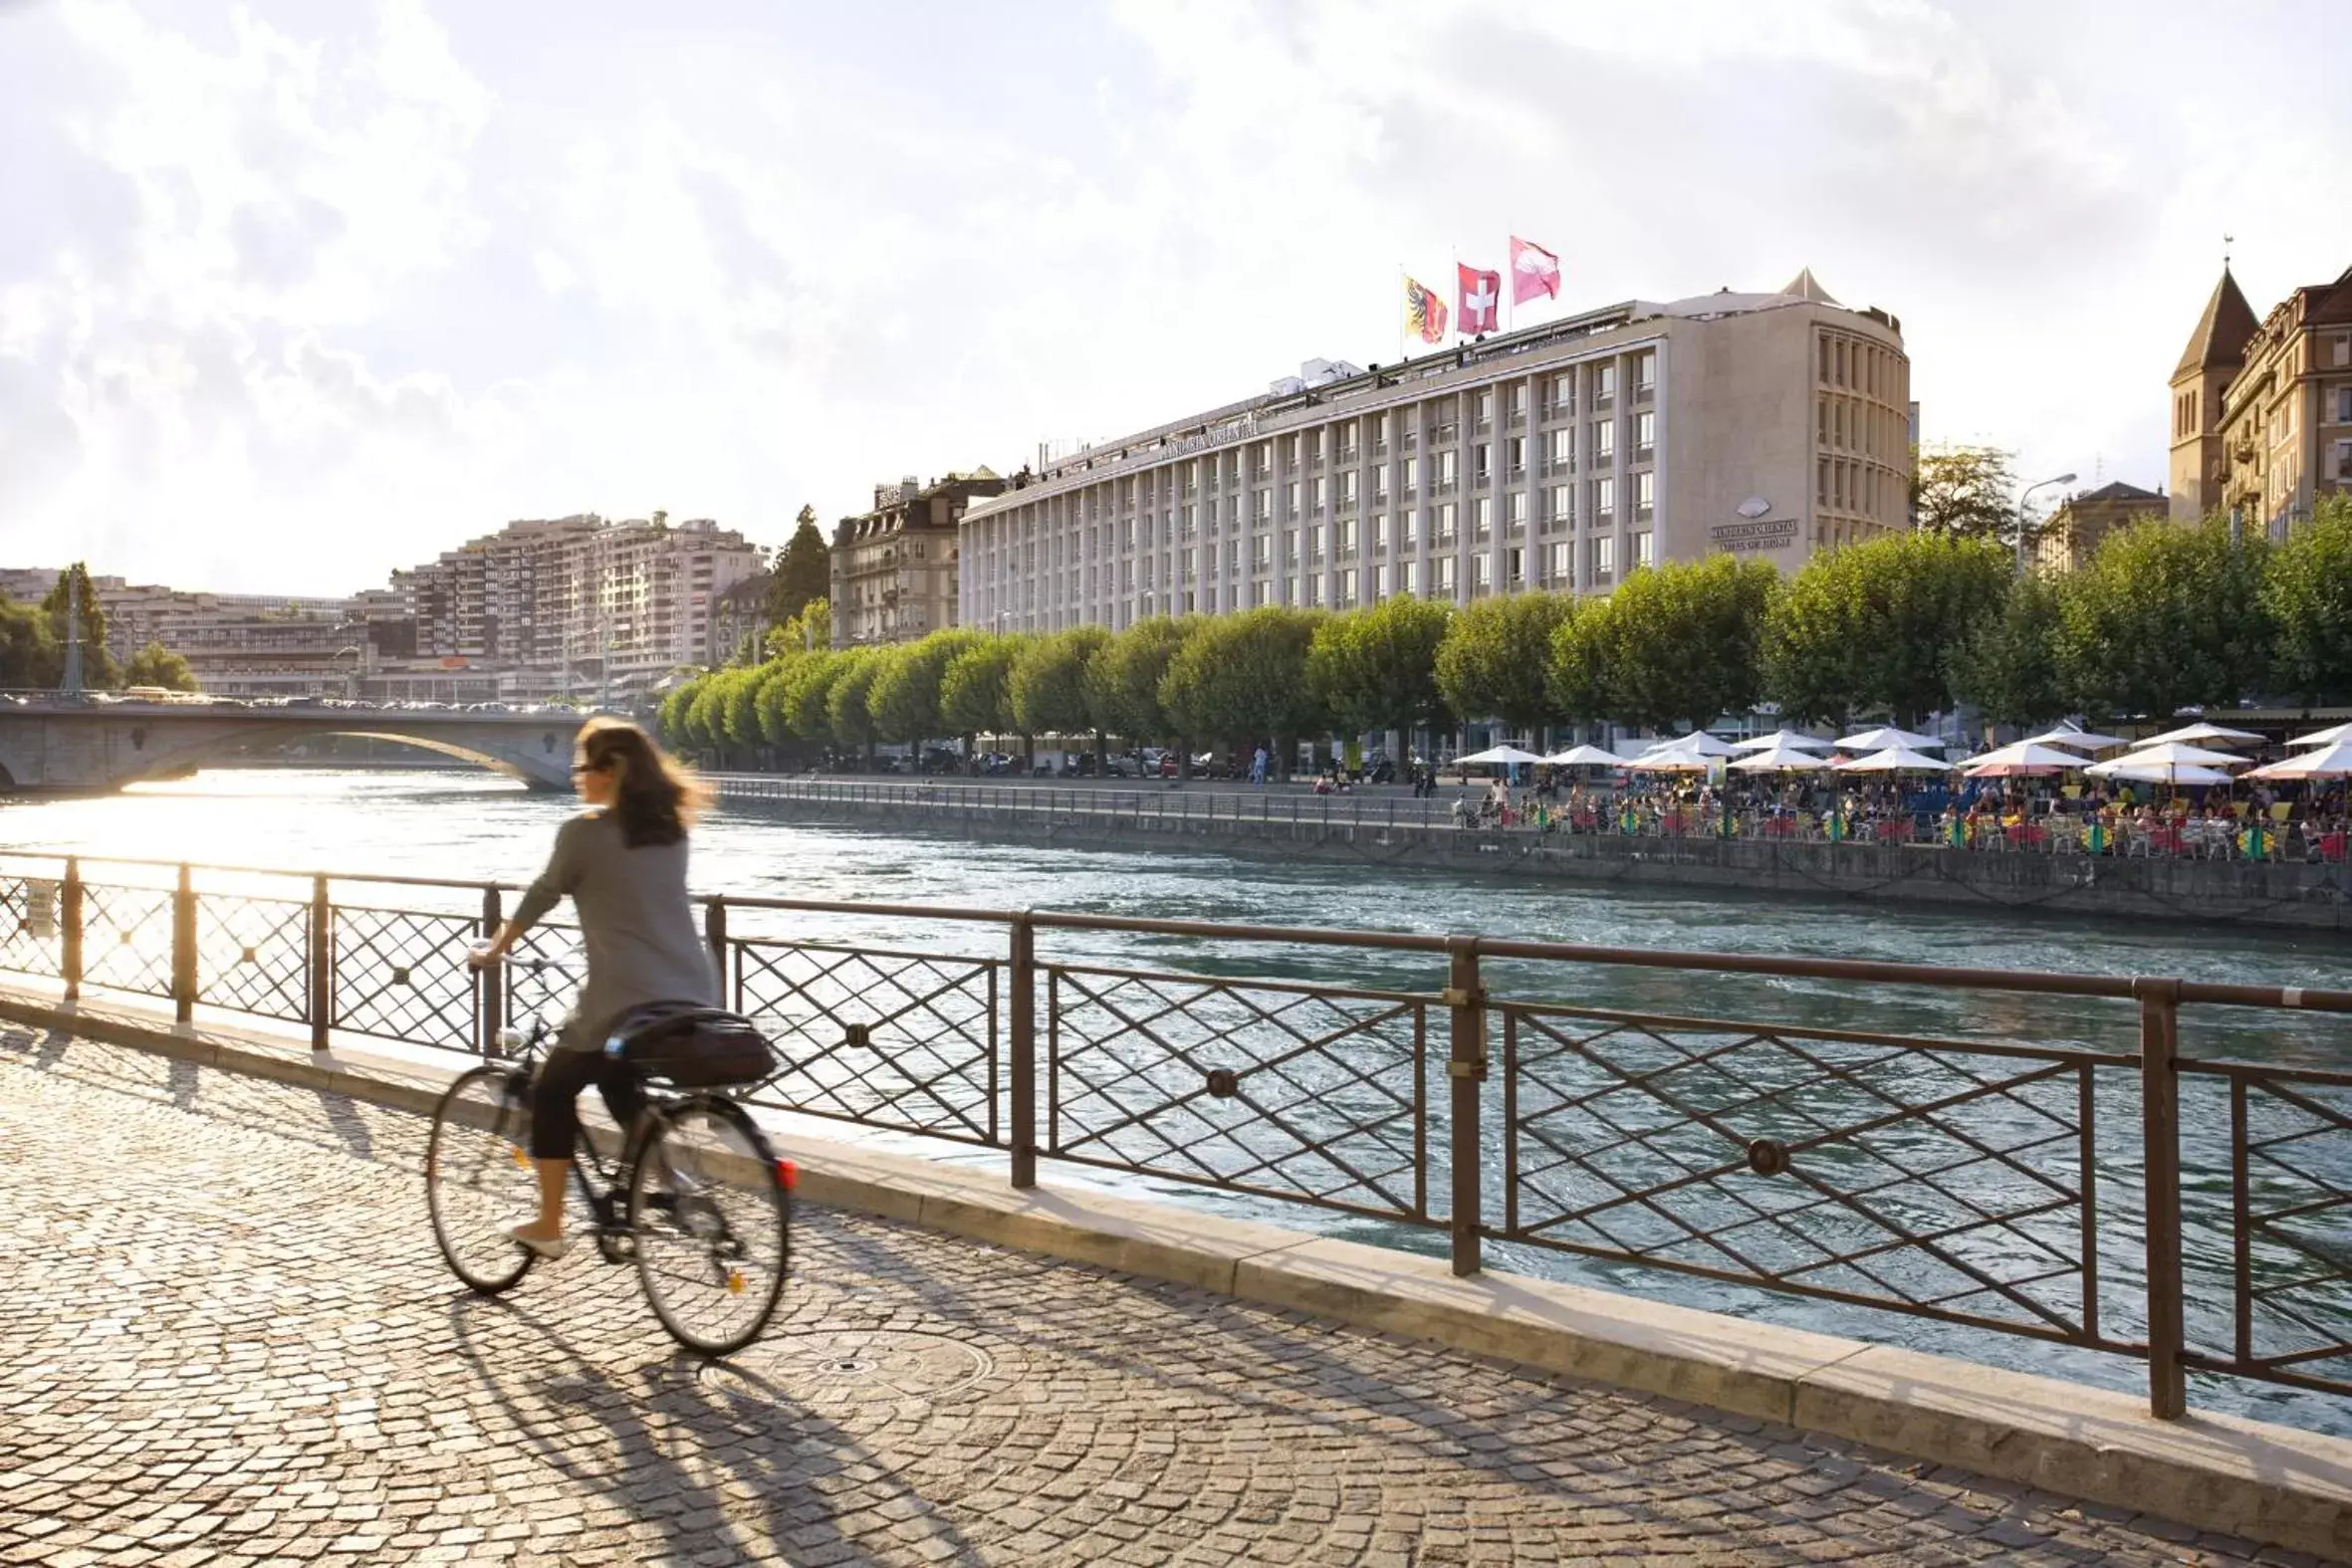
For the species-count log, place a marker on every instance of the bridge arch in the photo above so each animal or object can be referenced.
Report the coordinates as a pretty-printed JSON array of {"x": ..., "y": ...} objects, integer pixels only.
[{"x": 184, "y": 752}]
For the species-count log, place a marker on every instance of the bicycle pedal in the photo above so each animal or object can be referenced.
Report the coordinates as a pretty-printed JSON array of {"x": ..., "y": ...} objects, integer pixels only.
[{"x": 617, "y": 1248}]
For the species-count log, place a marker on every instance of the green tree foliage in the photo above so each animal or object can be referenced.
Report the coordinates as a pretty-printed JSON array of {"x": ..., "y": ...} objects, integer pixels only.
[
  {"x": 2008, "y": 665},
  {"x": 2307, "y": 593},
  {"x": 742, "y": 704},
  {"x": 1493, "y": 663},
  {"x": 905, "y": 701},
  {"x": 1576, "y": 680},
  {"x": 1244, "y": 677},
  {"x": 848, "y": 699},
  {"x": 706, "y": 717},
  {"x": 1966, "y": 492},
  {"x": 1123, "y": 679},
  {"x": 1376, "y": 668},
  {"x": 974, "y": 690},
  {"x": 156, "y": 665},
  {"x": 1048, "y": 686},
  {"x": 802, "y": 574},
  {"x": 808, "y": 695},
  {"x": 672, "y": 715},
  {"x": 810, "y": 631},
  {"x": 99, "y": 670},
  {"x": 2164, "y": 618},
  {"x": 1873, "y": 628},
  {"x": 29, "y": 654},
  {"x": 1677, "y": 644}
]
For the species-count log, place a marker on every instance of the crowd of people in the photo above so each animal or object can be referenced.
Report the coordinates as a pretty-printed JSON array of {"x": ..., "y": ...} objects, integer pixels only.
[{"x": 2252, "y": 821}]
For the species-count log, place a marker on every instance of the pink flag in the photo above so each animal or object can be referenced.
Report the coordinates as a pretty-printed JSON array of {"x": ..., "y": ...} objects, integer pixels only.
[
  {"x": 1482, "y": 299},
  {"x": 1533, "y": 271}
]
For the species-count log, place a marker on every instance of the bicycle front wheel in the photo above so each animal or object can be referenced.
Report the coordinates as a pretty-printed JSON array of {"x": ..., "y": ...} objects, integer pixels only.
[
  {"x": 713, "y": 1223},
  {"x": 477, "y": 1181}
]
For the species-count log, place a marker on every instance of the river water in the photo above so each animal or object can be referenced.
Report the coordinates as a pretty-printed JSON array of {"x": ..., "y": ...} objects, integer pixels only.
[{"x": 468, "y": 826}]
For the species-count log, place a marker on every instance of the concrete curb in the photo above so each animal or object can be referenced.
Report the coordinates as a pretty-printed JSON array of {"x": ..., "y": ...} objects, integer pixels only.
[{"x": 2270, "y": 1484}]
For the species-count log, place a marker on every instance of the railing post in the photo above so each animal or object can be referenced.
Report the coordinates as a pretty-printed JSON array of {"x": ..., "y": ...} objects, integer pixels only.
[
  {"x": 183, "y": 949},
  {"x": 714, "y": 932},
  {"x": 322, "y": 962},
  {"x": 70, "y": 918},
  {"x": 1023, "y": 981},
  {"x": 1466, "y": 1069},
  {"x": 2160, "y": 1140},
  {"x": 491, "y": 995}
]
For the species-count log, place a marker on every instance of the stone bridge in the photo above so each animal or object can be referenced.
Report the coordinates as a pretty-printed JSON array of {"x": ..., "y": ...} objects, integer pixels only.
[{"x": 67, "y": 747}]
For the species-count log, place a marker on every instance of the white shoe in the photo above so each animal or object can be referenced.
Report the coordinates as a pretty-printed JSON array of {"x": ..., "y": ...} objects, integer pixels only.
[{"x": 539, "y": 1247}]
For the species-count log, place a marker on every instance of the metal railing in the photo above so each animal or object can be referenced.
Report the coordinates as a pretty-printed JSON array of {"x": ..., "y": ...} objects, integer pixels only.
[
  {"x": 2147, "y": 1202},
  {"x": 1150, "y": 803}
]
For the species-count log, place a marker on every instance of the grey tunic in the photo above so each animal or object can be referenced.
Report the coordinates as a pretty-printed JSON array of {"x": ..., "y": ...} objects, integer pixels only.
[{"x": 635, "y": 918}]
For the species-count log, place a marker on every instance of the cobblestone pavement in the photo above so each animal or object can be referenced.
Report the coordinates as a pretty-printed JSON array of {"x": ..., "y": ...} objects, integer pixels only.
[{"x": 230, "y": 1340}]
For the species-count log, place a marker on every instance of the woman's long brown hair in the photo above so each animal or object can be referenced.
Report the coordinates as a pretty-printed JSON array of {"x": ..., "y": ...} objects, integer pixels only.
[{"x": 656, "y": 796}]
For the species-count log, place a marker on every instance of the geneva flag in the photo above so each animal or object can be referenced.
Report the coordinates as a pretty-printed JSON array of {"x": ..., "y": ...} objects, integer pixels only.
[{"x": 1425, "y": 313}]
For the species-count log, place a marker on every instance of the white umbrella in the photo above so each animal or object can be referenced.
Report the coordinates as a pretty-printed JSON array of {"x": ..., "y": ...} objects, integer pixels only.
[
  {"x": 2193, "y": 733},
  {"x": 1781, "y": 739},
  {"x": 1696, "y": 743},
  {"x": 2180, "y": 773},
  {"x": 2326, "y": 762},
  {"x": 1785, "y": 757},
  {"x": 1893, "y": 760},
  {"x": 1585, "y": 757},
  {"x": 1886, "y": 738},
  {"x": 1666, "y": 759},
  {"x": 2023, "y": 758},
  {"x": 2081, "y": 740},
  {"x": 2172, "y": 754},
  {"x": 1497, "y": 756},
  {"x": 2327, "y": 737}
]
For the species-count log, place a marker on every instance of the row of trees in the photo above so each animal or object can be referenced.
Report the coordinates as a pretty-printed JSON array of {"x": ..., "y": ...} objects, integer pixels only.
[
  {"x": 2164, "y": 617},
  {"x": 33, "y": 644}
]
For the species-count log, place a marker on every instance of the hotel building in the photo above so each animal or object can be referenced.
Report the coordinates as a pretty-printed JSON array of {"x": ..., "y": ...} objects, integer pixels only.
[
  {"x": 2261, "y": 410},
  {"x": 1562, "y": 456}
]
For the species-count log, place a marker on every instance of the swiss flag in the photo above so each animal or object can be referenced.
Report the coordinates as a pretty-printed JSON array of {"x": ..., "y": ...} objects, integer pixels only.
[
  {"x": 1482, "y": 299},
  {"x": 1534, "y": 272}
]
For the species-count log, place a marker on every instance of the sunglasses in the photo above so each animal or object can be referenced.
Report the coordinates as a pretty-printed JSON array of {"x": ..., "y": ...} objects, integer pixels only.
[{"x": 586, "y": 767}]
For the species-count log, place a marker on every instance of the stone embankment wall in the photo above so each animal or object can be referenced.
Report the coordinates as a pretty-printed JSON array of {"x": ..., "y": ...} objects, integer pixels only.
[{"x": 2292, "y": 893}]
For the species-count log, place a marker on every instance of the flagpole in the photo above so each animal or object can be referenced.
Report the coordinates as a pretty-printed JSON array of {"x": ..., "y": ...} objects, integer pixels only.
[{"x": 1397, "y": 301}]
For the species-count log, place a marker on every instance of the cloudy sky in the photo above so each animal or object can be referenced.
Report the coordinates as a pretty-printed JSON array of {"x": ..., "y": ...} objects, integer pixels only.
[{"x": 297, "y": 292}]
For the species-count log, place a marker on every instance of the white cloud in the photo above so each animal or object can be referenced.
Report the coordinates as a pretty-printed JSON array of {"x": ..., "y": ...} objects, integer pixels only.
[{"x": 303, "y": 294}]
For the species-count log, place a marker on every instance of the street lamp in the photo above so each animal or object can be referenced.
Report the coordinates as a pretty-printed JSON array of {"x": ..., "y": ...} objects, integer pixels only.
[
  {"x": 2063, "y": 479},
  {"x": 351, "y": 689}
]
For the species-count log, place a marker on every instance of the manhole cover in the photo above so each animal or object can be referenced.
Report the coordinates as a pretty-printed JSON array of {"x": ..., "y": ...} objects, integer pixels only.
[{"x": 850, "y": 1368}]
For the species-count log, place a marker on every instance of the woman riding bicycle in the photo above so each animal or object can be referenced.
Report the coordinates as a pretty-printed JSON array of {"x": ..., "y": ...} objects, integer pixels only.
[{"x": 622, "y": 864}]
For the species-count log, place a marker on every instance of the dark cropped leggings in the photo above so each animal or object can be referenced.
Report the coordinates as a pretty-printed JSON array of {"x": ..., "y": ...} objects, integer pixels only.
[{"x": 554, "y": 1095}]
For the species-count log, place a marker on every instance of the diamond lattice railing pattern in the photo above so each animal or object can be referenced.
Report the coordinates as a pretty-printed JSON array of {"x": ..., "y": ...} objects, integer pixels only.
[
  {"x": 1304, "y": 1092},
  {"x": 1942, "y": 1178}
]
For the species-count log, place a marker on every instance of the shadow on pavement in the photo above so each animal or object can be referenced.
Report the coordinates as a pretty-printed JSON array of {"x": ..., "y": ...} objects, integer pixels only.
[{"x": 714, "y": 1474}]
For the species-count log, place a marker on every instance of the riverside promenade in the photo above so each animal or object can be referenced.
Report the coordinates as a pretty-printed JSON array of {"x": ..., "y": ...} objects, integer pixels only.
[
  {"x": 1386, "y": 830},
  {"x": 231, "y": 1341},
  {"x": 1152, "y": 1239}
]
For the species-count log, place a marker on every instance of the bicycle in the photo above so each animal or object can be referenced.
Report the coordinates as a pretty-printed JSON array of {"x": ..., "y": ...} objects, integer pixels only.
[{"x": 707, "y": 1217}]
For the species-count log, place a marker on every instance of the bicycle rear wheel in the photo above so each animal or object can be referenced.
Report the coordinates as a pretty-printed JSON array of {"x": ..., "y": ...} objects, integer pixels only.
[
  {"x": 478, "y": 1179},
  {"x": 713, "y": 1223}
]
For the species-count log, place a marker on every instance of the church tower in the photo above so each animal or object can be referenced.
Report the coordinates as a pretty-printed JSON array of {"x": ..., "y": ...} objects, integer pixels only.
[{"x": 2215, "y": 352}]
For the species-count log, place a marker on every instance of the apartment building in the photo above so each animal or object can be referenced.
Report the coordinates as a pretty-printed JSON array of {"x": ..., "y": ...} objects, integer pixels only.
[
  {"x": 895, "y": 570},
  {"x": 2261, "y": 412},
  {"x": 577, "y": 603},
  {"x": 2084, "y": 520},
  {"x": 1562, "y": 456}
]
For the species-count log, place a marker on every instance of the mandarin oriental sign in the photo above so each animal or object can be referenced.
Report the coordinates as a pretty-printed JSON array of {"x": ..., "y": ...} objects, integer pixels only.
[{"x": 1752, "y": 535}]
